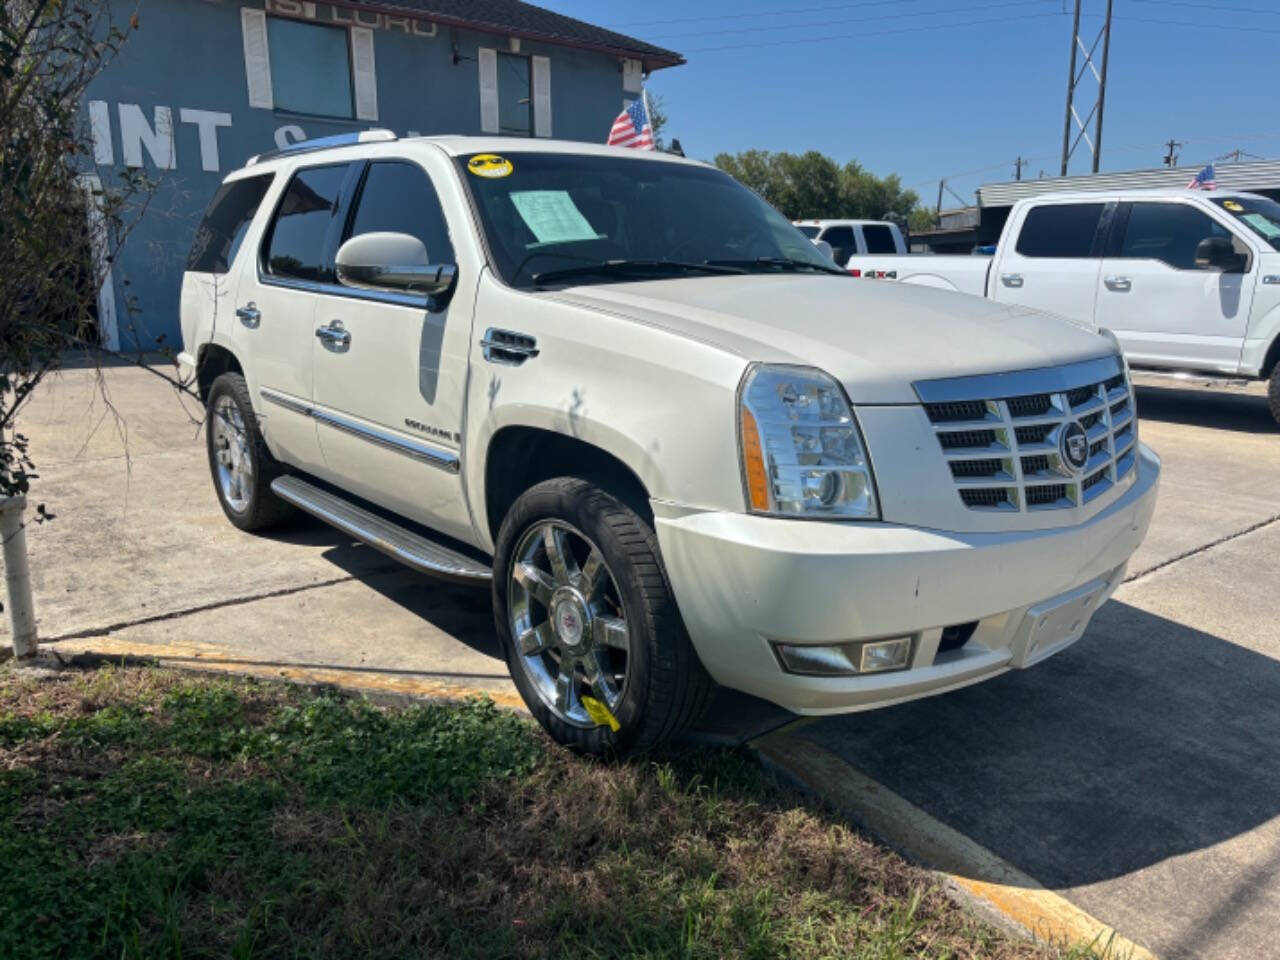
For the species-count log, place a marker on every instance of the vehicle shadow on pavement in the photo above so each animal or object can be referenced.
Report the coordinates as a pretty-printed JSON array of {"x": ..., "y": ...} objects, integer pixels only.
[
  {"x": 1144, "y": 741},
  {"x": 1219, "y": 410},
  {"x": 463, "y": 611}
]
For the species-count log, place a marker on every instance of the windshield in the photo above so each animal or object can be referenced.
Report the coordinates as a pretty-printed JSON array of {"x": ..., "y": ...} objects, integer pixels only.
[
  {"x": 1260, "y": 215},
  {"x": 555, "y": 218}
]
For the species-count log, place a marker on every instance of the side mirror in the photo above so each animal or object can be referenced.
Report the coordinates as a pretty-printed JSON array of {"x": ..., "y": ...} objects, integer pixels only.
[
  {"x": 1217, "y": 253},
  {"x": 393, "y": 262},
  {"x": 824, "y": 248}
]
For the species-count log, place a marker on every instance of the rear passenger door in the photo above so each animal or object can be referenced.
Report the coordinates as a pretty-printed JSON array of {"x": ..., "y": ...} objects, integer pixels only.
[
  {"x": 1166, "y": 311},
  {"x": 389, "y": 395},
  {"x": 878, "y": 238},
  {"x": 276, "y": 303},
  {"x": 1054, "y": 260}
]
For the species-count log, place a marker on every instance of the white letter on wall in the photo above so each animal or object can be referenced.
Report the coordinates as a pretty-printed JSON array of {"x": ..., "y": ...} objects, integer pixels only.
[
  {"x": 289, "y": 134},
  {"x": 207, "y": 122},
  {"x": 135, "y": 133},
  {"x": 100, "y": 130}
]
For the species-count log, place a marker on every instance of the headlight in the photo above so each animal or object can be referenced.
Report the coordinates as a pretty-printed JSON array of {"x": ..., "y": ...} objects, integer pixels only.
[{"x": 802, "y": 453}]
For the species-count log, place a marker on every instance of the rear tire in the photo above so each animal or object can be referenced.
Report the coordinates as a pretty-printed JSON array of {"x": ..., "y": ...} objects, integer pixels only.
[
  {"x": 599, "y": 623},
  {"x": 239, "y": 461}
]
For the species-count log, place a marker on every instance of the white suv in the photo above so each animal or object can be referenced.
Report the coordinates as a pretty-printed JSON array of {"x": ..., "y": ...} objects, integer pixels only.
[{"x": 680, "y": 444}]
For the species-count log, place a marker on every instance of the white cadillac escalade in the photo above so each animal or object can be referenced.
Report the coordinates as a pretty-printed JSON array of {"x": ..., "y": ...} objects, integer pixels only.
[{"x": 682, "y": 446}]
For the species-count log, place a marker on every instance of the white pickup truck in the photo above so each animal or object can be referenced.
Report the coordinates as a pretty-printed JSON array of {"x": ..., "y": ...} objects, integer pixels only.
[
  {"x": 677, "y": 443},
  {"x": 1187, "y": 280}
]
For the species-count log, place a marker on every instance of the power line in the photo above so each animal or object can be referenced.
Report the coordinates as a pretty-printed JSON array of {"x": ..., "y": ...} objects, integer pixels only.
[
  {"x": 829, "y": 23},
  {"x": 1207, "y": 6},
  {"x": 1239, "y": 28},
  {"x": 872, "y": 33},
  {"x": 766, "y": 13}
]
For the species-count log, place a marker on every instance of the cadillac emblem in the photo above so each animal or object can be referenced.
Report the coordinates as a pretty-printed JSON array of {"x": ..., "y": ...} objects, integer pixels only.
[{"x": 1073, "y": 444}]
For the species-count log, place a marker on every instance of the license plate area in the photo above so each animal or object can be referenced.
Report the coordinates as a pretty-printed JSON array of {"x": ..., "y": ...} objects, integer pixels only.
[{"x": 1057, "y": 623}]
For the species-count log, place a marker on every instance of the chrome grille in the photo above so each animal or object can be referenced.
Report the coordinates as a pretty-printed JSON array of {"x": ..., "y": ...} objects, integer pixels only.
[{"x": 1002, "y": 435}]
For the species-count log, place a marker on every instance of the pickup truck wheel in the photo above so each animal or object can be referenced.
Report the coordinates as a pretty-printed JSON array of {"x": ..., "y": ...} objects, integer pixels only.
[
  {"x": 587, "y": 620},
  {"x": 1273, "y": 393},
  {"x": 241, "y": 465}
]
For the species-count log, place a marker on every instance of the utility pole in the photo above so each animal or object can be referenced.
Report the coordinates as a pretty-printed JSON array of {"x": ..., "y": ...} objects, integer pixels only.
[
  {"x": 1074, "y": 78},
  {"x": 1171, "y": 157},
  {"x": 937, "y": 217},
  {"x": 1017, "y": 168}
]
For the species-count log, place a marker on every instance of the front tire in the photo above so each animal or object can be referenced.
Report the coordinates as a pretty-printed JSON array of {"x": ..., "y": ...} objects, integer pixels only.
[
  {"x": 585, "y": 612},
  {"x": 239, "y": 461},
  {"x": 1273, "y": 393}
]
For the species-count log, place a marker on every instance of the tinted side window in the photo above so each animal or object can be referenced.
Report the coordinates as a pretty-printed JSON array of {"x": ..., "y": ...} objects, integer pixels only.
[
  {"x": 398, "y": 197},
  {"x": 296, "y": 244},
  {"x": 225, "y": 223},
  {"x": 1060, "y": 230},
  {"x": 879, "y": 239},
  {"x": 1169, "y": 232},
  {"x": 843, "y": 245},
  {"x": 809, "y": 232}
]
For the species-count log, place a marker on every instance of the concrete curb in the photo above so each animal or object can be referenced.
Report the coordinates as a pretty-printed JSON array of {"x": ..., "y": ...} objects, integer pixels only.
[
  {"x": 209, "y": 658},
  {"x": 966, "y": 867}
]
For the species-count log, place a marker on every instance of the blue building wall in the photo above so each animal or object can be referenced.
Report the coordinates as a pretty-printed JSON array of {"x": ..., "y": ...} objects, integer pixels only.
[{"x": 188, "y": 55}]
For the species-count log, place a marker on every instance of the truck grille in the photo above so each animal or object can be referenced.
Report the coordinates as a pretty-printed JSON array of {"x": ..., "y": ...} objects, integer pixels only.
[{"x": 1045, "y": 439}]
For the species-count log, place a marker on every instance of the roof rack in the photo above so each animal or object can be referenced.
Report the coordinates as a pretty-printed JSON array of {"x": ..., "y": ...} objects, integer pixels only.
[{"x": 326, "y": 143}]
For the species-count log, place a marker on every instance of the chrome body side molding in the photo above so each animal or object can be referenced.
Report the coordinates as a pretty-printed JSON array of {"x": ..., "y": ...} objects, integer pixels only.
[{"x": 415, "y": 449}]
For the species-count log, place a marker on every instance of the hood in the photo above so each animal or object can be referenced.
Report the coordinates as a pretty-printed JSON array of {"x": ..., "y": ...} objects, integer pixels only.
[{"x": 875, "y": 337}]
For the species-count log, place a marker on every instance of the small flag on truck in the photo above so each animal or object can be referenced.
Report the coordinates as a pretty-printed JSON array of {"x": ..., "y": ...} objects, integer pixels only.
[
  {"x": 632, "y": 128},
  {"x": 1206, "y": 179}
]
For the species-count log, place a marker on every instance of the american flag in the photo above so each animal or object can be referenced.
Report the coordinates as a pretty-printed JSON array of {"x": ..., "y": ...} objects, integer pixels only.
[
  {"x": 632, "y": 128},
  {"x": 1206, "y": 179}
]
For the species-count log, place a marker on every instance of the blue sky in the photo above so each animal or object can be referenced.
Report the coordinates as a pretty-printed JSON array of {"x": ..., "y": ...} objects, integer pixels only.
[{"x": 934, "y": 88}]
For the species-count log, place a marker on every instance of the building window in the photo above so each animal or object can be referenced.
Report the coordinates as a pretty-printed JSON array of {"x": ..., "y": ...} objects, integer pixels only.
[
  {"x": 310, "y": 68},
  {"x": 515, "y": 100}
]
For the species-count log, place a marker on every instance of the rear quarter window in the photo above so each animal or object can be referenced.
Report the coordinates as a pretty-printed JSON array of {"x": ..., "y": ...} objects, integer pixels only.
[
  {"x": 879, "y": 239},
  {"x": 225, "y": 223}
]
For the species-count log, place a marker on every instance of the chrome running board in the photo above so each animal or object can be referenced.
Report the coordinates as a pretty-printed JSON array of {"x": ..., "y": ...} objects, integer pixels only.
[{"x": 411, "y": 549}]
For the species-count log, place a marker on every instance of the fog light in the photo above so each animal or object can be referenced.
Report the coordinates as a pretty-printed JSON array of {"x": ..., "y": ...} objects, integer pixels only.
[
  {"x": 885, "y": 655},
  {"x": 845, "y": 659}
]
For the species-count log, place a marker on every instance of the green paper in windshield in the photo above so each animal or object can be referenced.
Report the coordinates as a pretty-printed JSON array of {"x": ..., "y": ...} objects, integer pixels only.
[
  {"x": 1264, "y": 226},
  {"x": 552, "y": 216}
]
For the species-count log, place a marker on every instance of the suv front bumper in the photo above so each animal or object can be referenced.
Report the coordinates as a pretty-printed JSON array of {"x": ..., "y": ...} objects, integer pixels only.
[{"x": 745, "y": 582}]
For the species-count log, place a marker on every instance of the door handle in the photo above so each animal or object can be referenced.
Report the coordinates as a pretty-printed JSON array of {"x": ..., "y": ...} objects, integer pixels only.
[
  {"x": 508, "y": 347},
  {"x": 1118, "y": 284},
  {"x": 1011, "y": 279},
  {"x": 334, "y": 333},
  {"x": 249, "y": 314}
]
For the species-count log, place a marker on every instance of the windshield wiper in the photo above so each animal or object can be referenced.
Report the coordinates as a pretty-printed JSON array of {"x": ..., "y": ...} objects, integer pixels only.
[
  {"x": 785, "y": 263},
  {"x": 610, "y": 268}
]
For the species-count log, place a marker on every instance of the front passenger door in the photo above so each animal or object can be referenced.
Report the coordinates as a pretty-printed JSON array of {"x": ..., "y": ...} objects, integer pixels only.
[
  {"x": 389, "y": 388},
  {"x": 1165, "y": 310}
]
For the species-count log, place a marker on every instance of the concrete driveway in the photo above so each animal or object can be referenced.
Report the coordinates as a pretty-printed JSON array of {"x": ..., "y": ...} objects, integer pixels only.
[{"x": 1135, "y": 773}]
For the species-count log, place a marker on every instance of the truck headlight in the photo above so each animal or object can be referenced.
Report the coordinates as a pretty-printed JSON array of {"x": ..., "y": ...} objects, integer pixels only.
[{"x": 802, "y": 452}]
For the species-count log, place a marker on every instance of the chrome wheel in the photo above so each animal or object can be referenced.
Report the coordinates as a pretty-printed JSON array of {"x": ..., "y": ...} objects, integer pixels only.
[
  {"x": 232, "y": 459},
  {"x": 567, "y": 623}
]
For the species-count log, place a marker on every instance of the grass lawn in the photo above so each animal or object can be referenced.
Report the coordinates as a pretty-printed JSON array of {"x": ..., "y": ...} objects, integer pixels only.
[{"x": 151, "y": 813}]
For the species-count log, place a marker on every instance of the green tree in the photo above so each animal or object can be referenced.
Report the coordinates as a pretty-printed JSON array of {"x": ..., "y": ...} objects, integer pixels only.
[{"x": 811, "y": 184}]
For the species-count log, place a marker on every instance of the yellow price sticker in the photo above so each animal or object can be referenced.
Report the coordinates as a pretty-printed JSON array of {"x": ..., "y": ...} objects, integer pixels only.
[
  {"x": 598, "y": 712},
  {"x": 1232, "y": 206}
]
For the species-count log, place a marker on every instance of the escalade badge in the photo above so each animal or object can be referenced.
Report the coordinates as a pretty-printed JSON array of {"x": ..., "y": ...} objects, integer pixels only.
[{"x": 1074, "y": 445}]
